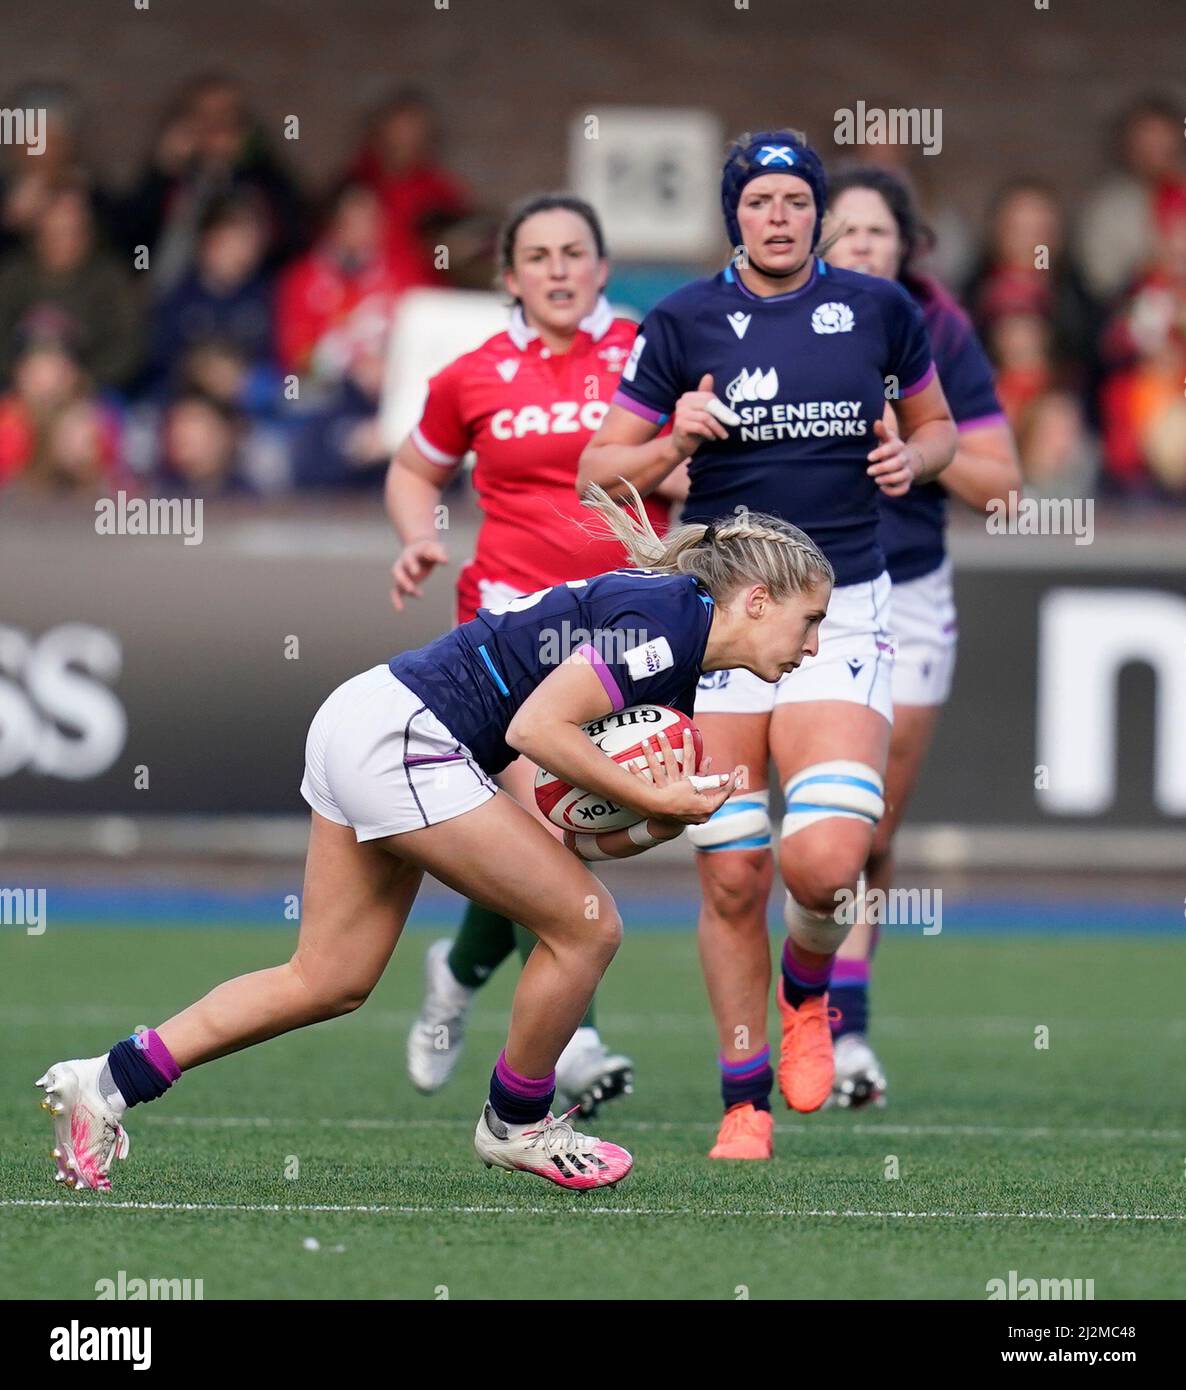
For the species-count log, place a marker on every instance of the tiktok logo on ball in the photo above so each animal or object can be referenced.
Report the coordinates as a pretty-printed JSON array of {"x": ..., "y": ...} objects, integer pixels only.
[
  {"x": 58, "y": 717},
  {"x": 596, "y": 811}
]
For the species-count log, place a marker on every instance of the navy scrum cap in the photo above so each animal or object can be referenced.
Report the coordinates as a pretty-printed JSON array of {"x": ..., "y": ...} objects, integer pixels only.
[{"x": 770, "y": 152}]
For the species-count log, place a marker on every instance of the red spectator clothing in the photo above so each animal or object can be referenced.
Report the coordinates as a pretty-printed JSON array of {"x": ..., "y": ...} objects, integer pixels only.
[
  {"x": 1169, "y": 202},
  {"x": 338, "y": 314},
  {"x": 1142, "y": 393},
  {"x": 19, "y": 442},
  {"x": 1152, "y": 317},
  {"x": 1007, "y": 290},
  {"x": 1122, "y": 419},
  {"x": 1146, "y": 346},
  {"x": 16, "y": 438},
  {"x": 527, "y": 413},
  {"x": 1018, "y": 388},
  {"x": 1133, "y": 405},
  {"x": 411, "y": 200}
]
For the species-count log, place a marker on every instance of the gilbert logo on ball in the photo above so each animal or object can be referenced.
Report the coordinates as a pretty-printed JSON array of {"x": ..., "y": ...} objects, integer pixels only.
[{"x": 619, "y": 736}]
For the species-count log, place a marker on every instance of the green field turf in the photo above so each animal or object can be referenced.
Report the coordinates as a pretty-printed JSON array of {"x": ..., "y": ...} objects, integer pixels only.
[{"x": 1011, "y": 1158}]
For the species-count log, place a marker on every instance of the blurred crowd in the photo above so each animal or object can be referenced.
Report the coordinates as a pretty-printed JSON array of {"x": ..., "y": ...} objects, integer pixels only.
[
  {"x": 1090, "y": 347},
  {"x": 213, "y": 329}
]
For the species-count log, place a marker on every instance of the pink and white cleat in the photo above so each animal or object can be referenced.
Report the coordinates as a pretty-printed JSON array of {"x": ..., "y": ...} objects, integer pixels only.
[
  {"x": 552, "y": 1149},
  {"x": 86, "y": 1107}
]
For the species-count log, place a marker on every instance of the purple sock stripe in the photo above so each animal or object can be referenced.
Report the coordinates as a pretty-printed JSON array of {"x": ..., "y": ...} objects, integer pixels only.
[
  {"x": 604, "y": 674},
  {"x": 803, "y": 974},
  {"x": 149, "y": 1042},
  {"x": 529, "y": 1087},
  {"x": 739, "y": 1070},
  {"x": 850, "y": 972}
]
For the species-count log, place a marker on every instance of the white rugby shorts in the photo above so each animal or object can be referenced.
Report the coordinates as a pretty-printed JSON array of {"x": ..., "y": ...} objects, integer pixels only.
[
  {"x": 378, "y": 760},
  {"x": 854, "y": 663},
  {"x": 928, "y": 635}
]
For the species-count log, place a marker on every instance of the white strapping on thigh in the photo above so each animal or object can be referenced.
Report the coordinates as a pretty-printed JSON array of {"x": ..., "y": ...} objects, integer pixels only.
[
  {"x": 743, "y": 822},
  {"x": 840, "y": 788}
]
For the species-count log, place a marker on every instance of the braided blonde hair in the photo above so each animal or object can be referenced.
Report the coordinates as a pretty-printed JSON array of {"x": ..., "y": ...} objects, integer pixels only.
[{"x": 746, "y": 548}]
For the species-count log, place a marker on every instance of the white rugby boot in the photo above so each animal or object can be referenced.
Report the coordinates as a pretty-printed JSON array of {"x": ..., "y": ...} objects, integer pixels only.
[
  {"x": 550, "y": 1148},
  {"x": 860, "y": 1079},
  {"x": 434, "y": 1043},
  {"x": 587, "y": 1073},
  {"x": 86, "y": 1107}
]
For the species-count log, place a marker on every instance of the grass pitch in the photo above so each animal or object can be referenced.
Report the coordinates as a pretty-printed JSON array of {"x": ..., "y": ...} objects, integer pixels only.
[{"x": 1065, "y": 1161}]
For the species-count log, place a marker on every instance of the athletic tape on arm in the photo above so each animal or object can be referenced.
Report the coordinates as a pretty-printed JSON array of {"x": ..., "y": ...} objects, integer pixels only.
[{"x": 587, "y": 848}]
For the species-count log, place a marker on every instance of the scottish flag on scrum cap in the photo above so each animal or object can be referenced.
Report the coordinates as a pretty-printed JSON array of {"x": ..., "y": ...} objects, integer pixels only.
[
  {"x": 770, "y": 152},
  {"x": 776, "y": 154}
]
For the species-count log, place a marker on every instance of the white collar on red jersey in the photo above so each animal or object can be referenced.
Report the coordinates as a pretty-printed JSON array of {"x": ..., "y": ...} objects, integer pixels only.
[{"x": 597, "y": 324}]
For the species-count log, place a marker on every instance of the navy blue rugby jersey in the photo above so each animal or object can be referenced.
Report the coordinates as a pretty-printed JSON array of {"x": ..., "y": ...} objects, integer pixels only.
[
  {"x": 807, "y": 372},
  {"x": 644, "y": 632},
  {"x": 913, "y": 526}
]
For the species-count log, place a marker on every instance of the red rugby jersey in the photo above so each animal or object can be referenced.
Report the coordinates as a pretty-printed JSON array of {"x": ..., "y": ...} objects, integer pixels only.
[{"x": 527, "y": 413}]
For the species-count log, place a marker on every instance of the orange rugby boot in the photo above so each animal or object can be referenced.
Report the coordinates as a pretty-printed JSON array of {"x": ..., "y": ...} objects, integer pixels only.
[
  {"x": 745, "y": 1132},
  {"x": 806, "y": 1069}
]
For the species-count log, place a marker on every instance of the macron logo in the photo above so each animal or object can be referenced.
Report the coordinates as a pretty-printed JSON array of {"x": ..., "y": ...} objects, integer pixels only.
[
  {"x": 739, "y": 322},
  {"x": 507, "y": 369}
]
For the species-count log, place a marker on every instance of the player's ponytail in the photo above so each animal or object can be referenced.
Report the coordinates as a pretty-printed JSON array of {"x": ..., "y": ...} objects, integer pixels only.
[{"x": 745, "y": 548}]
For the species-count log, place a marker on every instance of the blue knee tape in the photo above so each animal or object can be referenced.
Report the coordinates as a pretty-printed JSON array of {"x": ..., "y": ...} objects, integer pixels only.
[{"x": 743, "y": 822}]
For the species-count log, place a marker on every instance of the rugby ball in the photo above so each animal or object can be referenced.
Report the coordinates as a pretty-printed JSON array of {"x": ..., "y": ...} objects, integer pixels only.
[{"x": 619, "y": 736}]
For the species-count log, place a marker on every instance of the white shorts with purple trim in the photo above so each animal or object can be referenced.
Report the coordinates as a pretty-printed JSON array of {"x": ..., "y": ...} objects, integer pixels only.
[
  {"x": 855, "y": 662},
  {"x": 928, "y": 634},
  {"x": 378, "y": 760}
]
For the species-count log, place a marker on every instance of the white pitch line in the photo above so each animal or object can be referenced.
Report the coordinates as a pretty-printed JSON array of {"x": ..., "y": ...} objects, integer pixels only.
[
  {"x": 771, "y": 1213},
  {"x": 673, "y": 1126}
]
